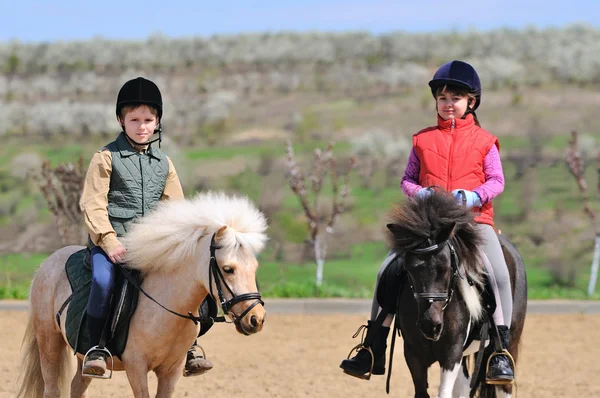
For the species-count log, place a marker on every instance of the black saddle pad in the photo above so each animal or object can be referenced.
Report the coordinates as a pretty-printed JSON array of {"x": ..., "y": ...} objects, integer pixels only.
[
  {"x": 124, "y": 303},
  {"x": 391, "y": 281}
]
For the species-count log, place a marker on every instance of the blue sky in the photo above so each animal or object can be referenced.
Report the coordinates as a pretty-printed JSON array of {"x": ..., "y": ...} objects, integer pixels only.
[{"x": 27, "y": 20}]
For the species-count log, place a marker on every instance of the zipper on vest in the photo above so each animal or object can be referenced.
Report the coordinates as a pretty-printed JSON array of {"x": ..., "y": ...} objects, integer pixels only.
[
  {"x": 143, "y": 188},
  {"x": 452, "y": 124}
]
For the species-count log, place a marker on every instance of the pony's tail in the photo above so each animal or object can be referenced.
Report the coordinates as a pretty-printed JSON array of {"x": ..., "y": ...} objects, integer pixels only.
[{"x": 31, "y": 382}]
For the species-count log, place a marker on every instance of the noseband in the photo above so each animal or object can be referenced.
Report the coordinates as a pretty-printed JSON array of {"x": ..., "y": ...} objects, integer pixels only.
[
  {"x": 454, "y": 261},
  {"x": 215, "y": 272}
]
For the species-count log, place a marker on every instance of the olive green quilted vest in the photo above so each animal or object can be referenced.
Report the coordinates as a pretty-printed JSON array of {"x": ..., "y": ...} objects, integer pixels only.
[{"x": 137, "y": 183}]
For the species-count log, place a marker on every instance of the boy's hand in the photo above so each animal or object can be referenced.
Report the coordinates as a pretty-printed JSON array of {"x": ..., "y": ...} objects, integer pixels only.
[{"x": 117, "y": 255}]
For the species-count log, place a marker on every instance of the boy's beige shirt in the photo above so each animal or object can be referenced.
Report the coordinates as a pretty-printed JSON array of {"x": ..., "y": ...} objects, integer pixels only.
[{"x": 94, "y": 198}]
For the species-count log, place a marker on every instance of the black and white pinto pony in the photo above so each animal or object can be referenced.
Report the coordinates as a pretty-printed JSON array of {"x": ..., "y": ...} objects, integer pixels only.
[{"x": 440, "y": 311}]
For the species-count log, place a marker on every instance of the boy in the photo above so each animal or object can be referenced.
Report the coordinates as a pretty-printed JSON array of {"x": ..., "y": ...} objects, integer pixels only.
[{"x": 126, "y": 179}]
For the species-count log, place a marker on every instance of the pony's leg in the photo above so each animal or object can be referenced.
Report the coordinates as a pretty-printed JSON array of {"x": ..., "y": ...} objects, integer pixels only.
[
  {"x": 447, "y": 380},
  {"x": 167, "y": 380},
  {"x": 137, "y": 374},
  {"x": 79, "y": 384},
  {"x": 462, "y": 384},
  {"x": 418, "y": 371},
  {"x": 501, "y": 393},
  {"x": 52, "y": 355}
]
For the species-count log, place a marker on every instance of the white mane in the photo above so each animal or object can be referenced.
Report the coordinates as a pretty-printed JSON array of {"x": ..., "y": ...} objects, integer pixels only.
[{"x": 169, "y": 236}]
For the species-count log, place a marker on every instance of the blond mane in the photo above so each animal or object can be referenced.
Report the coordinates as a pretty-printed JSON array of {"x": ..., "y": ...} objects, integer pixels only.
[{"x": 169, "y": 236}]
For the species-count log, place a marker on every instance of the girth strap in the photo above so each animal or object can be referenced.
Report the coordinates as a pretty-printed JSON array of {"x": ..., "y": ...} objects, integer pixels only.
[{"x": 62, "y": 308}]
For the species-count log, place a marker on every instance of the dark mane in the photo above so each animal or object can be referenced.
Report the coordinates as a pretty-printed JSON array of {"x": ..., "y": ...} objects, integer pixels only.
[{"x": 423, "y": 219}]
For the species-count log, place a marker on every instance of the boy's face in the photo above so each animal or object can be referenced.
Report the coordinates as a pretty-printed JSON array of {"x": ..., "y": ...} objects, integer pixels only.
[
  {"x": 139, "y": 124},
  {"x": 451, "y": 106}
]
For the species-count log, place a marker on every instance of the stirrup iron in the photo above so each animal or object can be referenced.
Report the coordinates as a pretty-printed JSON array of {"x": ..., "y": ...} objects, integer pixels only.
[
  {"x": 109, "y": 355},
  {"x": 357, "y": 348},
  {"x": 185, "y": 372},
  {"x": 513, "y": 365}
]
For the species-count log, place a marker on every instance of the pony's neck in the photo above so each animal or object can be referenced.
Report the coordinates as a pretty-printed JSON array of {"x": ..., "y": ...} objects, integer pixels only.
[{"x": 179, "y": 290}]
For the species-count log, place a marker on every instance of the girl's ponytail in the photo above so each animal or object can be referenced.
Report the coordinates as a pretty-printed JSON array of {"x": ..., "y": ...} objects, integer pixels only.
[{"x": 475, "y": 118}]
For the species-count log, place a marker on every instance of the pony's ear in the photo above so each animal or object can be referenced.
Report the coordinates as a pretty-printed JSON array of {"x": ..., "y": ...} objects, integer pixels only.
[
  {"x": 446, "y": 232},
  {"x": 399, "y": 231},
  {"x": 220, "y": 232}
]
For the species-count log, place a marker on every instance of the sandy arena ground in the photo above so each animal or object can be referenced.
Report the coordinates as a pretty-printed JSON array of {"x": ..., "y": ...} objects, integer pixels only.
[{"x": 298, "y": 356}]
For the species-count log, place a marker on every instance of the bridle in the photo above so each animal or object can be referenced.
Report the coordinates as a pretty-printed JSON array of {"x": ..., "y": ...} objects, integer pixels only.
[
  {"x": 446, "y": 297},
  {"x": 215, "y": 272},
  {"x": 219, "y": 280}
]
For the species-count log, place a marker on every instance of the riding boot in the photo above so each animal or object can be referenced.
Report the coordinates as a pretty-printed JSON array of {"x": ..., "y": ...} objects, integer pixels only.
[
  {"x": 95, "y": 362},
  {"x": 360, "y": 364},
  {"x": 500, "y": 366},
  {"x": 196, "y": 363}
]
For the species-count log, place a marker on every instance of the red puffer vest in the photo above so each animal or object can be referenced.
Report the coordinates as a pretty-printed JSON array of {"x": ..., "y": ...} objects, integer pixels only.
[{"x": 451, "y": 155}]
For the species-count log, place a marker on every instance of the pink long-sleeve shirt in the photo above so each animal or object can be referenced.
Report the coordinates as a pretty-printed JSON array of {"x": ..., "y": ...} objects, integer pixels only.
[{"x": 492, "y": 168}]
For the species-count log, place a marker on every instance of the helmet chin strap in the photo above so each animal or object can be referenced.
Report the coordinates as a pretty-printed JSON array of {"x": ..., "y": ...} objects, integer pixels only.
[{"x": 156, "y": 130}]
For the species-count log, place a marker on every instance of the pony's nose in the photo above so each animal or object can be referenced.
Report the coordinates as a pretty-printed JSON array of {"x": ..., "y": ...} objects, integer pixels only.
[
  {"x": 437, "y": 329},
  {"x": 254, "y": 321},
  {"x": 431, "y": 330}
]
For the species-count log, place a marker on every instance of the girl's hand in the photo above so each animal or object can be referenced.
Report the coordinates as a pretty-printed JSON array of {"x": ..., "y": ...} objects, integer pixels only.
[
  {"x": 424, "y": 192},
  {"x": 117, "y": 255},
  {"x": 471, "y": 199}
]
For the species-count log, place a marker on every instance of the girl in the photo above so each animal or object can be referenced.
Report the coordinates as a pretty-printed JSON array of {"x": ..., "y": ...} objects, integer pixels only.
[{"x": 460, "y": 157}]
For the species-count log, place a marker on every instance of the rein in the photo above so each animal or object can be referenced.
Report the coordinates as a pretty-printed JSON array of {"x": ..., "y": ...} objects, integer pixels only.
[
  {"x": 190, "y": 316},
  {"x": 214, "y": 271}
]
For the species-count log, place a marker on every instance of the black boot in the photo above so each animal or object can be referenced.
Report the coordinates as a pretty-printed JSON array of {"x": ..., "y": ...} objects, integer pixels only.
[
  {"x": 360, "y": 364},
  {"x": 500, "y": 367}
]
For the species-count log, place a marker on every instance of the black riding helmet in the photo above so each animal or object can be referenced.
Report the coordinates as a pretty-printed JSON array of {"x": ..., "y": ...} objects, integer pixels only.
[
  {"x": 457, "y": 73},
  {"x": 139, "y": 91}
]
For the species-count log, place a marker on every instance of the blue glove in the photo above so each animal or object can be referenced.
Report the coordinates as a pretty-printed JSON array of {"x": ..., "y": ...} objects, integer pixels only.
[
  {"x": 423, "y": 193},
  {"x": 472, "y": 198}
]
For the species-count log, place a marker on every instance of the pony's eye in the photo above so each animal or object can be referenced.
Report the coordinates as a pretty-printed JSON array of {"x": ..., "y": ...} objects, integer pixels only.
[{"x": 227, "y": 269}]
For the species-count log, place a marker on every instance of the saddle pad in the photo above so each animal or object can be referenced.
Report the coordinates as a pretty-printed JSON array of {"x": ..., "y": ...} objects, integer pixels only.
[
  {"x": 124, "y": 301},
  {"x": 390, "y": 283}
]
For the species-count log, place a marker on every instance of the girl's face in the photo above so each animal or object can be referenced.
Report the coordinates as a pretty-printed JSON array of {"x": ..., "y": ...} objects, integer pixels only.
[
  {"x": 139, "y": 124},
  {"x": 452, "y": 106}
]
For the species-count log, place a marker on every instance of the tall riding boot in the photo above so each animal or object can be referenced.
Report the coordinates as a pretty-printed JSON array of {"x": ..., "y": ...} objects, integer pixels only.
[
  {"x": 95, "y": 362},
  {"x": 360, "y": 364},
  {"x": 196, "y": 363},
  {"x": 500, "y": 366}
]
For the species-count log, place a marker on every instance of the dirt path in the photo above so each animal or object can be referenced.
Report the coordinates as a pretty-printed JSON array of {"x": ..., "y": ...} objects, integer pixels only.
[{"x": 298, "y": 356}]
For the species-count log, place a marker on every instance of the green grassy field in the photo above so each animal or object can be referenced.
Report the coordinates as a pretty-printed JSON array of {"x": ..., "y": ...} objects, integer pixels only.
[
  {"x": 555, "y": 213},
  {"x": 343, "y": 277}
]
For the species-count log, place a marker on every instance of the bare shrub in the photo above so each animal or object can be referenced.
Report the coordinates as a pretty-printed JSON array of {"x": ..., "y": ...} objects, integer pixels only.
[{"x": 61, "y": 188}]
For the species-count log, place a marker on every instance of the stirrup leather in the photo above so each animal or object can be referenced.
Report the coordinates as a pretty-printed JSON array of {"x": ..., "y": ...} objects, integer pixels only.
[
  {"x": 109, "y": 355},
  {"x": 512, "y": 362},
  {"x": 359, "y": 347}
]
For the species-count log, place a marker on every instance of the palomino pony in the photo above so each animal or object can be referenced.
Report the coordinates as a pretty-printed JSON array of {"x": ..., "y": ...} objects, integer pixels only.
[
  {"x": 441, "y": 314},
  {"x": 173, "y": 247}
]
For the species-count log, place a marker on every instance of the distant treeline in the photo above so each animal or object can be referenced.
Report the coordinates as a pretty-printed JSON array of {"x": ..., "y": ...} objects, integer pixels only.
[{"x": 49, "y": 78}]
